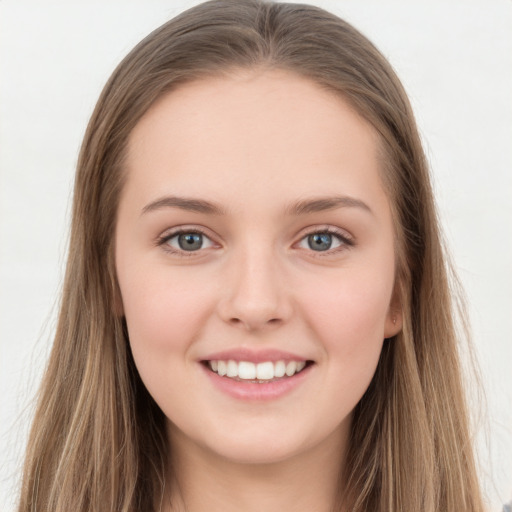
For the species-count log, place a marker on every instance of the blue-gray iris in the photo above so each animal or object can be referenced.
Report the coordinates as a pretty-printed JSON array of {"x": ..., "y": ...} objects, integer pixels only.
[
  {"x": 320, "y": 241},
  {"x": 190, "y": 241}
]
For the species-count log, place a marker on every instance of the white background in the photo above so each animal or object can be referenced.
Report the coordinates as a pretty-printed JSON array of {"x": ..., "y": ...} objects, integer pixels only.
[{"x": 455, "y": 59}]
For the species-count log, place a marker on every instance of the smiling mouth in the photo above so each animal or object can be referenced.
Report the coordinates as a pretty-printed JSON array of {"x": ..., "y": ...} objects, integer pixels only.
[{"x": 261, "y": 373}]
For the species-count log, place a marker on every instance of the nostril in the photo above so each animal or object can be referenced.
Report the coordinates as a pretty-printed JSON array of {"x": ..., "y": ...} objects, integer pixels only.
[{"x": 235, "y": 321}]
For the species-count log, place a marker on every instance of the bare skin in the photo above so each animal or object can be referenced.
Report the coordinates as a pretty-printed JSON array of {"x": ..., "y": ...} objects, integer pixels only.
[
  {"x": 207, "y": 482},
  {"x": 253, "y": 224}
]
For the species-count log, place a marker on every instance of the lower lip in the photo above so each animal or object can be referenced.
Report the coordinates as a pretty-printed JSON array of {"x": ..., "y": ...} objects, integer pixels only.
[{"x": 255, "y": 391}]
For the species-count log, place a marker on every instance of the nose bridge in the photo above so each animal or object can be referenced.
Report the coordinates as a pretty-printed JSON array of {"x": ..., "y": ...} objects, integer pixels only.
[{"x": 255, "y": 293}]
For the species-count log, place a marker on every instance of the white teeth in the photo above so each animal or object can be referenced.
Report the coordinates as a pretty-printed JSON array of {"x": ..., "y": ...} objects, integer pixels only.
[
  {"x": 246, "y": 371},
  {"x": 222, "y": 368},
  {"x": 232, "y": 370},
  {"x": 291, "y": 368},
  {"x": 279, "y": 369},
  {"x": 265, "y": 371}
]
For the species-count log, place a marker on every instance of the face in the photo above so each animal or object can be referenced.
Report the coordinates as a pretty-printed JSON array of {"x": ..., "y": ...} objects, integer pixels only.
[{"x": 255, "y": 258}]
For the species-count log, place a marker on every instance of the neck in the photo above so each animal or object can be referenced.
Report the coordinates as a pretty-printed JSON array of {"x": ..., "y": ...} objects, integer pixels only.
[{"x": 205, "y": 481}]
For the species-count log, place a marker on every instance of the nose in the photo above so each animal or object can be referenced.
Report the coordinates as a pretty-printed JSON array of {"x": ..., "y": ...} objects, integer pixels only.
[{"x": 255, "y": 293}]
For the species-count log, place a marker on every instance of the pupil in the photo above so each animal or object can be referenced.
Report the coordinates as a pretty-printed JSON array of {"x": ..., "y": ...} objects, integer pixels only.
[
  {"x": 320, "y": 241},
  {"x": 190, "y": 241}
]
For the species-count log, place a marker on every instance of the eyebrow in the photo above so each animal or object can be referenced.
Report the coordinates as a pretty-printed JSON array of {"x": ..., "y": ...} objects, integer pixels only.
[
  {"x": 326, "y": 203},
  {"x": 299, "y": 208},
  {"x": 184, "y": 203}
]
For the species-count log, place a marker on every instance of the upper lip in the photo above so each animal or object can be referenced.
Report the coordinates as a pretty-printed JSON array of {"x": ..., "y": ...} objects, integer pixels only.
[{"x": 254, "y": 356}]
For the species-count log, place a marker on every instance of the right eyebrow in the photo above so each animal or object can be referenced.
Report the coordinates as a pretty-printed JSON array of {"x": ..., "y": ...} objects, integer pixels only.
[
  {"x": 184, "y": 203},
  {"x": 321, "y": 204}
]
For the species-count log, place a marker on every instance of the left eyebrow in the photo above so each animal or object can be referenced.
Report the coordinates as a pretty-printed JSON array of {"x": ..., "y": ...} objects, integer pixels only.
[
  {"x": 326, "y": 203},
  {"x": 184, "y": 203}
]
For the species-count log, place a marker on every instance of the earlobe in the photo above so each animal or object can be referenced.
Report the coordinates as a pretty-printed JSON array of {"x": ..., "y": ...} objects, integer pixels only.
[
  {"x": 394, "y": 319},
  {"x": 393, "y": 323}
]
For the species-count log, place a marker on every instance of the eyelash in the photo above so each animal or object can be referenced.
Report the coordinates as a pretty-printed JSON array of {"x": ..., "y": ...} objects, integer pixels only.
[
  {"x": 346, "y": 241},
  {"x": 162, "y": 241}
]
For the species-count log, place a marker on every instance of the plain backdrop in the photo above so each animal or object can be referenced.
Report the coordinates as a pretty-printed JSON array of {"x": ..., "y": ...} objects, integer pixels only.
[{"x": 455, "y": 60}]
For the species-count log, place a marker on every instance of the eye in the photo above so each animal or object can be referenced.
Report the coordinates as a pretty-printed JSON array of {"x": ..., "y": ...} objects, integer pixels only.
[
  {"x": 323, "y": 241},
  {"x": 188, "y": 241}
]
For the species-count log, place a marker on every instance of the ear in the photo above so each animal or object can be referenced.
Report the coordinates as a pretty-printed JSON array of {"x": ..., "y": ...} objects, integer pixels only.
[
  {"x": 394, "y": 317},
  {"x": 393, "y": 324}
]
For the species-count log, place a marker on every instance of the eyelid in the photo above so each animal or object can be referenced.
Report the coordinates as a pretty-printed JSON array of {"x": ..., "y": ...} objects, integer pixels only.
[
  {"x": 346, "y": 239},
  {"x": 167, "y": 235}
]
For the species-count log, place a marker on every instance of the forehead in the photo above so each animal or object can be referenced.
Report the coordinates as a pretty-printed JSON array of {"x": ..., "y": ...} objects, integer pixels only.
[{"x": 267, "y": 134}]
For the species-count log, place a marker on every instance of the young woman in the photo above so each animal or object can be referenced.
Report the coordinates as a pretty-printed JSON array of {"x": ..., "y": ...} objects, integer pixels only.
[{"x": 256, "y": 313}]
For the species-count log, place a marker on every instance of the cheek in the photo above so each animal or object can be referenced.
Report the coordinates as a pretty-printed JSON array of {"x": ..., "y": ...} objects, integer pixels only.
[
  {"x": 348, "y": 322},
  {"x": 163, "y": 311},
  {"x": 351, "y": 305},
  {"x": 349, "y": 316}
]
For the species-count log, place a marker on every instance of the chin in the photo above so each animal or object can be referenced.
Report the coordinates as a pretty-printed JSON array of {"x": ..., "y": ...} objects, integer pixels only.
[
  {"x": 263, "y": 443},
  {"x": 254, "y": 453}
]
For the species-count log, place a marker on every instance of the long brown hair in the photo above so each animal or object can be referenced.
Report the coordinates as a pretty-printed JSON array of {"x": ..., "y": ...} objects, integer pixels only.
[{"x": 98, "y": 440}]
